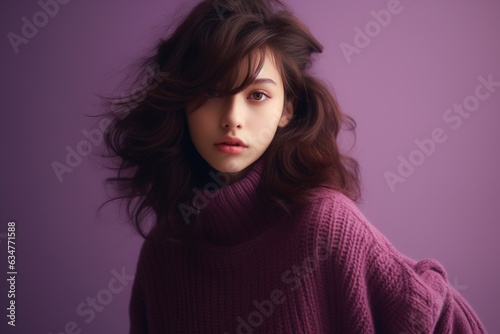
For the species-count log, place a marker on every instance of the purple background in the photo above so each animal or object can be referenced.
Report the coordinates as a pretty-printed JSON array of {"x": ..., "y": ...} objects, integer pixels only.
[{"x": 398, "y": 88}]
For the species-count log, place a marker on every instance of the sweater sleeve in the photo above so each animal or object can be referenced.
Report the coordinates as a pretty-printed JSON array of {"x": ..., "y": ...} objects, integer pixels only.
[{"x": 388, "y": 292}]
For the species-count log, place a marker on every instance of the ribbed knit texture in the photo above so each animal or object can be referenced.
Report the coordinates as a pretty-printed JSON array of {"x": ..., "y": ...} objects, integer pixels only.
[{"x": 324, "y": 270}]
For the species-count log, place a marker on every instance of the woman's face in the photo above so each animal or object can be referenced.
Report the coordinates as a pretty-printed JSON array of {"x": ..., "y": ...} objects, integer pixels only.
[{"x": 232, "y": 132}]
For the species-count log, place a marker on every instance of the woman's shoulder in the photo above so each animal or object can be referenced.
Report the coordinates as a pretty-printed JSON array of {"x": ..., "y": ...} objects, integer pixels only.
[
  {"x": 342, "y": 226},
  {"x": 334, "y": 205},
  {"x": 336, "y": 219}
]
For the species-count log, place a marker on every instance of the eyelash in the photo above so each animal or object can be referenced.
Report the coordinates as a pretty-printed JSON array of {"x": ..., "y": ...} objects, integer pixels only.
[{"x": 260, "y": 93}]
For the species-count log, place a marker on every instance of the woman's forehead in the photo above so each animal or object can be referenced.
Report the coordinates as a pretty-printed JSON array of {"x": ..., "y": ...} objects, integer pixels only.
[{"x": 259, "y": 67}]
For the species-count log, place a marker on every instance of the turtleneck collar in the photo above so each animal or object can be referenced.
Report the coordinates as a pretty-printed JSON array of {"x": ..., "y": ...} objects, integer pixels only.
[{"x": 235, "y": 213}]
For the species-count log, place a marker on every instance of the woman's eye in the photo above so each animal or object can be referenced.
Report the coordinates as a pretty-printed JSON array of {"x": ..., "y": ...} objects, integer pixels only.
[{"x": 259, "y": 96}]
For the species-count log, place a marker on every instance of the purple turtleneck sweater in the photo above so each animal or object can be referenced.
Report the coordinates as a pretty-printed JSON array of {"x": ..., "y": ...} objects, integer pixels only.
[{"x": 325, "y": 269}]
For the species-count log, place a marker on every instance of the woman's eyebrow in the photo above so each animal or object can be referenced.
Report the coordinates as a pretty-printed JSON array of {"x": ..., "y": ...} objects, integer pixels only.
[{"x": 263, "y": 81}]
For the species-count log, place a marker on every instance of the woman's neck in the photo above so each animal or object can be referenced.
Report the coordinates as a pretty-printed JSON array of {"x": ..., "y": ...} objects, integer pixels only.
[{"x": 237, "y": 176}]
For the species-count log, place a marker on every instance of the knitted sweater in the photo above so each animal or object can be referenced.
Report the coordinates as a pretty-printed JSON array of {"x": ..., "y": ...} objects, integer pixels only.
[{"x": 324, "y": 270}]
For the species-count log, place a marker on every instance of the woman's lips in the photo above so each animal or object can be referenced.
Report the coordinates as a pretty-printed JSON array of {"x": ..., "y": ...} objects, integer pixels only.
[
  {"x": 230, "y": 148},
  {"x": 231, "y": 145}
]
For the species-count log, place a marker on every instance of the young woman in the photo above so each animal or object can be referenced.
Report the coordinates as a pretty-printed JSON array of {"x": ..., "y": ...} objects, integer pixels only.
[{"x": 232, "y": 150}]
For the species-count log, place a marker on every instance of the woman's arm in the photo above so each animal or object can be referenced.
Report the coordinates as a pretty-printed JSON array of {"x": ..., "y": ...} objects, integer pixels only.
[{"x": 384, "y": 291}]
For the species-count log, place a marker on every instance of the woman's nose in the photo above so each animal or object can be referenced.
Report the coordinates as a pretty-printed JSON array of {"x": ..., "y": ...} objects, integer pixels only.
[{"x": 233, "y": 112}]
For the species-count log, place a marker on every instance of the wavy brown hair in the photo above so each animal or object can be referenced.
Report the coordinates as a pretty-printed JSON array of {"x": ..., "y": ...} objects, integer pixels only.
[{"x": 157, "y": 165}]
